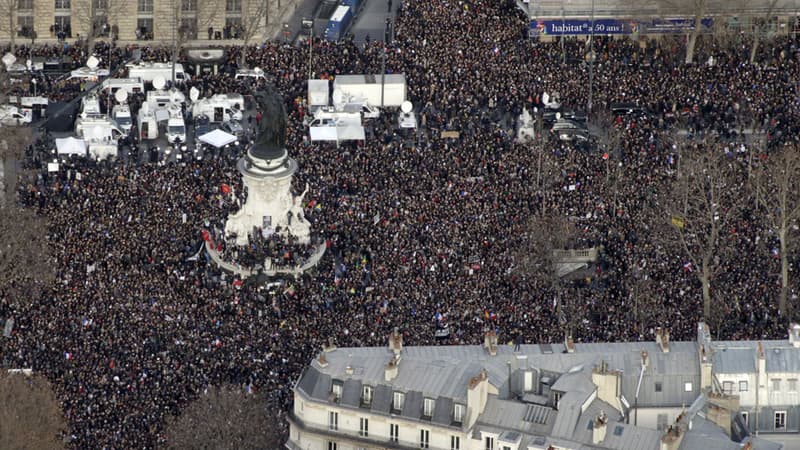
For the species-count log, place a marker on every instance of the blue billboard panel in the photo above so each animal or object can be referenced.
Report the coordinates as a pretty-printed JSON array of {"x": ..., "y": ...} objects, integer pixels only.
[{"x": 614, "y": 26}]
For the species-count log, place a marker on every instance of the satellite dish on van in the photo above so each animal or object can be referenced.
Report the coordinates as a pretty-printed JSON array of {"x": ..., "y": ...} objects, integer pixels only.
[
  {"x": 159, "y": 82},
  {"x": 92, "y": 62},
  {"x": 176, "y": 96},
  {"x": 338, "y": 96},
  {"x": 121, "y": 95},
  {"x": 194, "y": 94},
  {"x": 558, "y": 115},
  {"x": 257, "y": 70},
  {"x": 9, "y": 59},
  {"x": 406, "y": 107},
  {"x": 97, "y": 131},
  {"x": 545, "y": 98}
]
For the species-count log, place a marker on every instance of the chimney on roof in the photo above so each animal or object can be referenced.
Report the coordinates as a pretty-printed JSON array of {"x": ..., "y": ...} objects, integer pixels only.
[
  {"x": 331, "y": 346},
  {"x": 645, "y": 358},
  {"x": 599, "y": 426},
  {"x": 672, "y": 438},
  {"x": 662, "y": 339},
  {"x": 390, "y": 371},
  {"x": 348, "y": 370},
  {"x": 569, "y": 343},
  {"x": 794, "y": 335},
  {"x": 396, "y": 341},
  {"x": 490, "y": 342},
  {"x": 323, "y": 361}
]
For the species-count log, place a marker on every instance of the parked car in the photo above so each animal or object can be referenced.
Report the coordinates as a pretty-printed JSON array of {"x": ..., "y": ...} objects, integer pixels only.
[
  {"x": 573, "y": 134},
  {"x": 233, "y": 127},
  {"x": 566, "y": 124}
]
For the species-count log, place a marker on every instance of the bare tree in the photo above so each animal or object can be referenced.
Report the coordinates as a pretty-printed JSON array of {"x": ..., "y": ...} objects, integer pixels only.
[
  {"x": 225, "y": 418},
  {"x": 702, "y": 206},
  {"x": 96, "y": 15},
  {"x": 9, "y": 9},
  {"x": 697, "y": 10},
  {"x": 30, "y": 414},
  {"x": 778, "y": 193},
  {"x": 761, "y": 27},
  {"x": 254, "y": 18}
]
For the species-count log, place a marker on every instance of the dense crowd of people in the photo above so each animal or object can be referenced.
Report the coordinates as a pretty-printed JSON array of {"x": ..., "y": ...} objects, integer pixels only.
[{"x": 422, "y": 230}]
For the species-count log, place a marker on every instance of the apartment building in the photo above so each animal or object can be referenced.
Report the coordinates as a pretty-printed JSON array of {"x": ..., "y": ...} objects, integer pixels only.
[
  {"x": 135, "y": 20},
  {"x": 658, "y": 395}
]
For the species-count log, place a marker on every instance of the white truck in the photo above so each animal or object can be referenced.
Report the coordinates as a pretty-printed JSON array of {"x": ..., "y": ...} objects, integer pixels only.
[
  {"x": 90, "y": 105},
  {"x": 148, "y": 71},
  {"x": 97, "y": 126},
  {"x": 176, "y": 128},
  {"x": 122, "y": 115},
  {"x": 368, "y": 88},
  {"x": 12, "y": 116},
  {"x": 146, "y": 120},
  {"x": 101, "y": 142},
  {"x": 318, "y": 94},
  {"x": 339, "y": 129},
  {"x": 129, "y": 85},
  {"x": 219, "y": 108}
]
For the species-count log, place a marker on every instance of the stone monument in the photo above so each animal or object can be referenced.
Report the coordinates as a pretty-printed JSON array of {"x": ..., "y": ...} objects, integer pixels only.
[{"x": 267, "y": 173}]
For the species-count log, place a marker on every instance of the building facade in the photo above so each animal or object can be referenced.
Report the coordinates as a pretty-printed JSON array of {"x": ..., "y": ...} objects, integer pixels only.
[
  {"x": 658, "y": 395},
  {"x": 138, "y": 20}
]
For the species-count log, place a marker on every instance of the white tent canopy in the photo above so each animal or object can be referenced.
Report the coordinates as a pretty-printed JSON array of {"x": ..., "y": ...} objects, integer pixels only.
[
  {"x": 218, "y": 138},
  {"x": 71, "y": 146}
]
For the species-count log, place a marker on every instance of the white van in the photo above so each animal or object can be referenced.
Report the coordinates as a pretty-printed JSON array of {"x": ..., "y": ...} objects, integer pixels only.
[
  {"x": 122, "y": 114},
  {"x": 218, "y": 109},
  {"x": 11, "y": 115},
  {"x": 148, "y": 71},
  {"x": 176, "y": 128},
  {"x": 148, "y": 126},
  {"x": 97, "y": 127},
  {"x": 129, "y": 85},
  {"x": 254, "y": 74}
]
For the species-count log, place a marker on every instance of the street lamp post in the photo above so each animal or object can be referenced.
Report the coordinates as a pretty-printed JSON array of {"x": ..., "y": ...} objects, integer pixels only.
[{"x": 591, "y": 66}]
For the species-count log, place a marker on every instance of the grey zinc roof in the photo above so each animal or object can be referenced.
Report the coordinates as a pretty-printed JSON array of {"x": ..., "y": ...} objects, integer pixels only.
[
  {"x": 443, "y": 413},
  {"x": 621, "y": 436},
  {"x": 510, "y": 415},
  {"x": 734, "y": 360},
  {"x": 382, "y": 399},
  {"x": 412, "y": 405},
  {"x": 786, "y": 359},
  {"x": 351, "y": 393}
]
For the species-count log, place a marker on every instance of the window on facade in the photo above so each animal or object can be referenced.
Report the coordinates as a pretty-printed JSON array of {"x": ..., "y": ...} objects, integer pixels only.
[
  {"x": 188, "y": 29},
  {"x": 188, "y": 5},
  {"x": 363, "y": 427},
  {"x": 505, "y": 447},
  {"x": 776, "y": 384},
  {"x": 455, "y": 443},
  {"x": 780, "y": 420},
  {"x": 333, "y": 420},
  {"x": 424, "y": 438},
  {"x": 62, "y": 4},
  {"x": 489, "y": 443},
  {"x": 427, "y": 407},
  {"x": 63, "y": 25},
  {"x": 144, "y": 27},
  {"x": 727, "y": 387},
  {"x": 394, "y": 432},
  {"x": 145, "y": 6},
  {"x": 366, "y": 394},
  {"x": 687, "y": 387},
  {"x": 332, "y": 445},
  {"x": 397, "y": 401},
  {"x": 233, "y": 6},
  {"x": 658, "y": 386},
  {"x": 25, "y": 5},
  {"x": 792, "y": 384},
  {"x": 743, "y": 386},
  {"x": 336, "y": 390},
  {"x": 528, "y": 381},
  {"x": 458, "y": 413},
  {"x": 24, "y": 26},
  {"x": 100, "y": 5}
]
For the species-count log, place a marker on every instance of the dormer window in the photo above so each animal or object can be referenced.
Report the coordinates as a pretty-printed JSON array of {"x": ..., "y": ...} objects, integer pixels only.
[
  {"x": 397, "y": 401},
  {"x": 427, "y": 407},
  {"x": 458, "y": 413},
  {"x": 336, "y": 390},
  {"x": 366, "y": 395}
]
